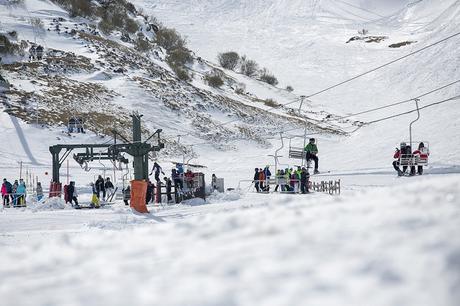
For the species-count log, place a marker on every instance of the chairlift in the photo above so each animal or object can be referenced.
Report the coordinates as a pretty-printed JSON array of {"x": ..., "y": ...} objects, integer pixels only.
[
  {"x": 419, "y": 155},
  {"x": 75, "y": 125},
  {"x": 299, "y": 153}
]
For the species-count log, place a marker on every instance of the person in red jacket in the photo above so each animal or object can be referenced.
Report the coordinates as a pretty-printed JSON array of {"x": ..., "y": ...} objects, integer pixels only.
[
  {"x": 398, "y": 154},
  {"x": 262, "y": 179},
  {"x": 421, "y": 155}
]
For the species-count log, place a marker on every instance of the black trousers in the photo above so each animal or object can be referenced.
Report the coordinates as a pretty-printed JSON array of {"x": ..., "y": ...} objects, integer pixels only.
[
  {"x": 314, "y": 158},
  {"x": 256, "y": 184},
  {"x": 304, "y": 187}
]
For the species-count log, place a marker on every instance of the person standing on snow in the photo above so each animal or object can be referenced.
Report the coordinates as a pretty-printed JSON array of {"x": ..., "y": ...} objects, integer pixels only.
[
  {"x": 21, "y": 193},
  {"x": 7, "y": 189},
  {"x": 256, "y": 179},
  {"x": 157, "y": 169},
  {"x": 304, "y": 177},
  {"x": 39, "y": 191},
  {"x": 72, "y": 194},
  {"x": 262, "y": 179},
  {"x": 213, "y": 182},
  {"x": 100, "y": 187},
  {"x": 311, "y": 153},
  {"x": 168, "y": 184},
  {"x": 108, "y": 185}
]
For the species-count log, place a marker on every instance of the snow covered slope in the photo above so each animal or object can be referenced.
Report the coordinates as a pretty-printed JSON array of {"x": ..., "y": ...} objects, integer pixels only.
[{"x": 304, "y": 44}]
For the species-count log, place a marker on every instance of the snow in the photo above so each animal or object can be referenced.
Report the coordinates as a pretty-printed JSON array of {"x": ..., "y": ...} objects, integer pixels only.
[
  {"x": 396, "y": 249},
  {"x": 384, "y": 241}
]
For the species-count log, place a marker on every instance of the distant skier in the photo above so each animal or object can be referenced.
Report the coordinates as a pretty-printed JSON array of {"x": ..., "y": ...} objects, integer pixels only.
[
  {"x": 421, "y": 155},
  {"x": 72, "y": 194},
  {"x": 108, "y": 185},
  {"x": 157, "y": 169},
  {"x": 100, "y": 187},
  {"x": 401, "y": 154},
  {"x": 304, "y": 177},
  {"x": 168, "y": 184},
  {"x": 32, "y": 53},
  {"x": 150, "y": 192},
  {"x": 213, "y": 182},
  {"x": 178, "y": 183},
  {"x": 127, "y": 195},
  {"x": 7, "y": 190},
  {"x": 14, "y": 193},
  {"x": 311, "y": 150},
  {"x": 39, "y": 190},
  {"x": 256, "y": 179},
  {"x": 39, "y": 52}
]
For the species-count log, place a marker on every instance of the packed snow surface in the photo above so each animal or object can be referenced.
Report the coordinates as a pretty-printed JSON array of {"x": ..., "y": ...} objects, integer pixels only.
[{"x": 389, "y": 246}]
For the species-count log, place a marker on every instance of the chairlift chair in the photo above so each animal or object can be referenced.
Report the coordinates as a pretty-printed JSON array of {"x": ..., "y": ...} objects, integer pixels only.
[
  {"x": 410, "y": 159},
  {"x": 75, "y": 125}
]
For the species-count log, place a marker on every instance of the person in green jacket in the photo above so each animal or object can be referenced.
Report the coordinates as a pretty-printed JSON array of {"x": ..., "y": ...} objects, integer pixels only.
[{"x": 312, "y": 151}]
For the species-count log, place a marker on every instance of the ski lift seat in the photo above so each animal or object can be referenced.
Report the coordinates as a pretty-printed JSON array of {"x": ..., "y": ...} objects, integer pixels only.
[
  {"x": 297, "y": 153},
  {"x": 420, "y": 159}
]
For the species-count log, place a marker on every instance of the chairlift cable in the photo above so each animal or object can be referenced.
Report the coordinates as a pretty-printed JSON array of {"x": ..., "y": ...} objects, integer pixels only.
[
  {"x": 414, "y": 110},
  {"x": 394, "y": 104},
  {"x": 379, "y": 67}
]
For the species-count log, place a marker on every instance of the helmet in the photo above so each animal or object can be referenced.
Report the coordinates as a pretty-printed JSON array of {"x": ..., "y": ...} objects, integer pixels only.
[{"x": 403, "y": 144}]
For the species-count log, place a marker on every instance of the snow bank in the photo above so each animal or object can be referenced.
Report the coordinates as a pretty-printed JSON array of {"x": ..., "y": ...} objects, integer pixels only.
[
  {"x": 48, "y": 204},
  {"x": 389, "y": 246}
]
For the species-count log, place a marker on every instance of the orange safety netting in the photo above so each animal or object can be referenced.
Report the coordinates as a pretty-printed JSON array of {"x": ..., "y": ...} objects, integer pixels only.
[{"x": 138, "y": 193}]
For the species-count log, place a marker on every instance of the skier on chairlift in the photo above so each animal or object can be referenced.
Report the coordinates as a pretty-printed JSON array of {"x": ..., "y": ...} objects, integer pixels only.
[
  {"x": 421, "y": 154},
  {"x": 311, "y": 150}
]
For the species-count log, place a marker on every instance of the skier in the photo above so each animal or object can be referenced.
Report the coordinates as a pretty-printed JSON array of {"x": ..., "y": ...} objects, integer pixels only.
[
  {"x": 262, "y": 179},
  {"x": 21, "y": 193},
  {"x": 256, "y": 179},
  {"x": 100, "y": 186},
  {"x": 404, "y": 152},
  {"x": 14, "y": 194},
  {"x": 189, "y": 176},
  {"x": 39, "y": 52},
  {"x": 108, "y": 185},
  {"x": 7, "y": 189},
  {"x": 157, "y": 169},
  {"x": 421, "y": 154},
  {"x": 213, "y": 182},
  {"x": 39, "y": 191},
  {"x": 168, "y": 184},
  {"x": 312, "y": 151},
  {"x": 72, "y": 194},
  {"x": 150, "y": 192},
  {"x": 127, "y": 195},
  {"x": 178, "y": 184},
  {"x": 95, "y": 196},
  {"x": 304, "y": 177},
  {"x": 32, "y": 53}
]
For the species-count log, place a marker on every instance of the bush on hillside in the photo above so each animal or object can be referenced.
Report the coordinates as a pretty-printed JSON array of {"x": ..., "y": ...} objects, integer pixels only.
[
  {"x": 169, "y": 39},
  {"x": 131, "y": 26},
  {"x": 215, "y": 78},
  {"x": 267, "y": 77},
  {"x": 248, "y": 67},
  {"x": 9, "y": 47},
  {"x": 271, "y": 103},
  {"x": 228, "y": 60},
  {"x": 143, "y": 45},
  {"x": 37, "y": 23}
]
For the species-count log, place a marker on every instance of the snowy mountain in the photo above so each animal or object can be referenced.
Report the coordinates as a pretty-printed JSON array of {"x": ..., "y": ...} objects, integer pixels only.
[{"x": 385, "y": 241}]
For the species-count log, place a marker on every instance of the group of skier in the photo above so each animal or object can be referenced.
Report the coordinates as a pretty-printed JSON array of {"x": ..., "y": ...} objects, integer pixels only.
[
  {"x": 405, "y": 158},
  {"x": 288, "y": 180},
  {"x": 100, "y": 186},
  {"x": 15, "y": 194},
  {"x": 36, "y": 52}
]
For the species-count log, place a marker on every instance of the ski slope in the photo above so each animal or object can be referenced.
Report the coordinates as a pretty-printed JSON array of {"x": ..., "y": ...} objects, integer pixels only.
[{"x": 386, "y": 241}]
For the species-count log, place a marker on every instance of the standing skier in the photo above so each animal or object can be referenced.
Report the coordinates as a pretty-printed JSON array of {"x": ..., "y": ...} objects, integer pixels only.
[
  {"x": 100, "y": 186},
  {"x": 157, "y": 169}
]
